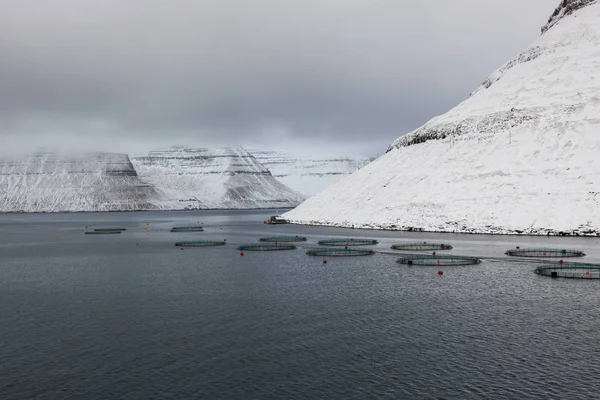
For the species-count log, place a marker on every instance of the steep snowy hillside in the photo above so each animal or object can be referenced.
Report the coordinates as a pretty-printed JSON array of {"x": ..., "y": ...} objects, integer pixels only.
[
  {"x": 520, "y": 155},
  {"x": 308, "y": 176},
  {"x": 88, "y": 182},
  {"x": 213, "y": 178}
]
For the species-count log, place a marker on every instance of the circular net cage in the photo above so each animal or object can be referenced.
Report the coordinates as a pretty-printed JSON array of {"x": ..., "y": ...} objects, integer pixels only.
[
  {"x": 266, "y": 247},
  {"x": 187, "y": 229},
  {"x": 347, "y": 242},
  {"x": 339, "y": 252},
  {"x": 437, "y": 260},
  {"x": 103, "y": 232},
  {"x": 279, "y": 239},
  {"x": 422, "y": 246},
  {"x": 575, "y": 271},
  {"x": 109, "y": 229},
  {"x": 545, "y": 253},
  {"x": 201, "y": 243}
]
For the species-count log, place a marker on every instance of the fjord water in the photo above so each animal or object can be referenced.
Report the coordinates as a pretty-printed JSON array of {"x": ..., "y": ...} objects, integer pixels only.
[{"x": 131, "y": 316}]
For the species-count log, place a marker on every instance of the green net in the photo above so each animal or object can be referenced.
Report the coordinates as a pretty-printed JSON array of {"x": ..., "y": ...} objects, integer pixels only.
[
  {"x": 437, "y": 260},
  {"x": 187, "y": 229},
  {"x": 421, "y": 246},
  {"x": 200, "y": 243},
  {"x": 576, "y": 271},
  {"x": 544, "y": 252},
  {"x": 341, "y": 252},
  {"x": 278, "y": 239},
  {"x": 347, "y": 242},
  {"x": 266, "y": 247}
]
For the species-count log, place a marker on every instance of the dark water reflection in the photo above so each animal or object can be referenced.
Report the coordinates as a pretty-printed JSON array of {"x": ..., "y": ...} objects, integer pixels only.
[{"x": 131, "y": 316}]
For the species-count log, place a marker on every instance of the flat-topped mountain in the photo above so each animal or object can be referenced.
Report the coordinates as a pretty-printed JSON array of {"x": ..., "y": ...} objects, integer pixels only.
[
  {"x": 213, "y": 178},
  {"x": 46, "y": 182}
]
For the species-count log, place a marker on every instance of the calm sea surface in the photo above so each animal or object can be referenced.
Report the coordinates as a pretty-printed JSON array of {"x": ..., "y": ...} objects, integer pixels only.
[{"x": 131, "y": 316}]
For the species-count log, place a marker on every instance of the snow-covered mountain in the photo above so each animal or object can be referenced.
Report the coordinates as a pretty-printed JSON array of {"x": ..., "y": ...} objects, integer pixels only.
[
  {"x": 89, "y": 182},
  {"x": 213, "y": 178},
  {"x": 308, "y": 176},
  {"x": 172, "y": 179},
  {"x": 519, "y": 156}
]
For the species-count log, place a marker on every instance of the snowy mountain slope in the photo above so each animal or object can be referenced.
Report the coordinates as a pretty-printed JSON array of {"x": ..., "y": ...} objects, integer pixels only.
[
  {"x": 519, "y": 155},
  {"x": 213, "y": 178},
  {"x": 307, "y": 175},
  {"x": 88, "y": 182}
]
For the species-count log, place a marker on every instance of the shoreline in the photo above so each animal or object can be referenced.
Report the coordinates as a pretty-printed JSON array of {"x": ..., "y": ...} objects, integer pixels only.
[{"x": 547, "y": 233}]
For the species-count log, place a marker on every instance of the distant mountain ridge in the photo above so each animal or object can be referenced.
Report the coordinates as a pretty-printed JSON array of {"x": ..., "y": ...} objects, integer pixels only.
[
  {"x": 308, "y": 175},
  {"x": 171, "y": 179}
]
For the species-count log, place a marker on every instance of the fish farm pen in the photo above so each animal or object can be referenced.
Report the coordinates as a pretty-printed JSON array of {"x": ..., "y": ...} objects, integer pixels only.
[
  {"x": 201, "y": 243},
  {"x": 347, "y": 242},
  {"x": 266, "y": 247},
  {"x": 437, "y": 260},
  {"x": 103, "y": 232},
  {"x": 547, "y": 253},
  {"x": 109, "y": 229},
  {"x": 187, "y": 229},
  {"x": 277, "y": 239},
  {"x": 574, "y": 271},
  {"x": 339, "y": 252},
  {"x": 421, "y": 246}
]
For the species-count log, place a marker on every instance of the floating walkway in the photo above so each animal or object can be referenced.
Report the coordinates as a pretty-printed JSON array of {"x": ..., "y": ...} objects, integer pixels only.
[
  {"x": 187, "y": 229},
  {"x": 103, "y": 232},
  {"x": 437, "y": 260},
  {"x": 109, "y": 229},
  {"x": 348, "y": 242},
  {"x": 266, "y": 247},
  {"x": 544, "y": 253},
  {"x": 201, "y": 243},
  {"x": 340, "y": 252},
  {"x": 573, "y": 271},
  {"x": 278, "y": 239},
  {"x": 424, "y": 246}
]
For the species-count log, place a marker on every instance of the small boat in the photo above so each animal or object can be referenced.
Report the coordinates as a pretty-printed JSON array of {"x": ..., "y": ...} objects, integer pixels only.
[{"x": 276, "y": 220}]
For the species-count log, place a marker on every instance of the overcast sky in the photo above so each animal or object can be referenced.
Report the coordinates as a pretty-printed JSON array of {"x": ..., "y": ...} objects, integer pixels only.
[{"x": 329, "y": 76}]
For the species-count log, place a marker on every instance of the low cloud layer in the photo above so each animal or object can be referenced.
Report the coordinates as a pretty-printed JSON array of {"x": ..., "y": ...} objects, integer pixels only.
[{"x": 311, "y": 75}]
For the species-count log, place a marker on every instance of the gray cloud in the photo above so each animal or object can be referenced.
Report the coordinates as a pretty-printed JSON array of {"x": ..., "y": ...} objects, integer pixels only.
[{"x": 357, "y": 73}]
